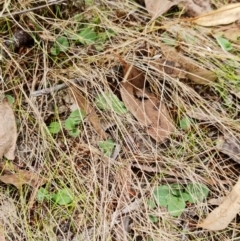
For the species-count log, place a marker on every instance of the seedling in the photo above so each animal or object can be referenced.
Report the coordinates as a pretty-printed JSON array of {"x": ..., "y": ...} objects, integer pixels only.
[
  {"x": 62, "y": 197},
  {"x": 71, "y": 124},
  {"x": 224, "y": 43},
  {"x": 185, "y": 123},
  {"x": 61, "y": 45},
  {"x": 175, "y": 196},
  {"x": 85, "y": 36},
  {"x": 110, "y": 102},
  {"x": 54, "y": 127},
  {"x": 107, "y": 147}
]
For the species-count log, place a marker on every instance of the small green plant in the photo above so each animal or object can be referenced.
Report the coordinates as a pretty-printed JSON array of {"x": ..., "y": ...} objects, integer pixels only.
[
  {"x": 224, "y": 43},
  {"x": 85, "y": 36},
  {"x": 72, "y": 122},
  {"x": 175, "y": 196},
  {"x": 107, "y": 147},
  {"x": 54, "y": 127},
  {"x": 185, "y": 123},
  {"x": 61, "y": 45},
  {"x": 62, "y": 197},
  {"x": 109, "y": 101}
]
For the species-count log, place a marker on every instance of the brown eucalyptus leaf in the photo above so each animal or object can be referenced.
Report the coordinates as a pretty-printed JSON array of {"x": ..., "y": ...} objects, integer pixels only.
[
  {"x": 221, "y": 216},
  {"x": 23, "y": 177},
  {"x": 189, "y": 67},
  {"x": 8, "y": 130},
  {"x": 158, "y": 7},
  {"x": 144, "y": 106},
  {"x": 224, "y": 15},
  {"x": 149, "y": 111}
]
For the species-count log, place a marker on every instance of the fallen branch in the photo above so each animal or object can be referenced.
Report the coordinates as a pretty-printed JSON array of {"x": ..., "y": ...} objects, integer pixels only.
[{"x": 54, "y": 88}]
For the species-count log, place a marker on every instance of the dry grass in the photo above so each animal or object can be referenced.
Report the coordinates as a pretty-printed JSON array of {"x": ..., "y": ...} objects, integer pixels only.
[{"x": 104, "y": 188}]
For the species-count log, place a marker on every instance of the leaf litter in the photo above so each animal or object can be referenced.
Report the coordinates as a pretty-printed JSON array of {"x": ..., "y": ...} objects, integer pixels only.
[
  {"x": 147, "y": 109},
  {"x": 220, "y": 217},
  {"x": 180, "y": 157},
  {"x": 8, "y": 130}
]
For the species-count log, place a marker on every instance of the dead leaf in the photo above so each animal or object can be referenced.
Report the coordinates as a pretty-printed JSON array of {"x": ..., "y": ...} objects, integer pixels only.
[
  {"x": 2, "y": 236},
  {"x": 195, "y": 7},
  {"x": 23, "y": 177},
  {"x": 229, "y": 146},
  {"x": 190, "y": 69},
  {"x": 89, "y": 111},
  {"x": 9, "y": 217},
  {"x": 8, "y": 130},
  {"x": 149, "y": 111},
  {"x": 221, "y": 216},
  {"x": 224, "y": 15},
  {"x": 158, "y": 7}
]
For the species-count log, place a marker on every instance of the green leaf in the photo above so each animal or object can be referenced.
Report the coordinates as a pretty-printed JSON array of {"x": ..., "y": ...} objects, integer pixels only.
[
  {"x": 86, "y": 36},
  {"x": 153, "y": 219},
  {"x": 61, "y": 45},
  {"x": 175, "y": 205},
  {"x": 109, "y": 101},
  {"x": 107, "y": 147},
  {"x": 197, "y": 192},
  {"x": 75, "y": 118},
  {"x": 42, "y": 194},
  {"x": 10, "y": 99},
  {"x": 54, "y": 127},
  {"x": 55, "y": 50},
  {"x": 185, "y": 196},
  {"x": 62, "y": 197},
  {"x": 161, "y": 194},
  {"x": 185, "y": 123},
  {"x": 224, "y": 43},
  {"x": 69, "y": 124},
  {"x": 104, "y": 36},
  {"x": 176, "y": 189},
  {"x": 151, "y": 203},
  {"x": 74, "y": 132}
]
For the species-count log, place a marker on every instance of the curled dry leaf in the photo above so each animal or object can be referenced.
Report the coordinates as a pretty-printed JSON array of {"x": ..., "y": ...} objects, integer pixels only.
[
  {"x": 192, "y": 7},
  {"x": 158, "y": 7},
  {"x": 195, "y": 7},
  {"x": 145, "y": 107},
  {"x": 224, "y": 15},
  {"x": 8, "y": 130},
  {"x": 189, "y": 68},
  {"x": 89, "y": 111},
  {"x": 229, "y": 146},
  {"x": 23, "y": 177},
  {"x": 221, "y": 216}
]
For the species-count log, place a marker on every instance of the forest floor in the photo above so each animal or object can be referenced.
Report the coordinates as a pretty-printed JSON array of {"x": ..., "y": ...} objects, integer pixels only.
[{"x": 103, "y": 172}]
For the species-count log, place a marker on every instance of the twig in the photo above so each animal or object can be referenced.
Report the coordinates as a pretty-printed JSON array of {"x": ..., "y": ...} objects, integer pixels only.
[
  {"x": 54, "y": 88},
  {"x": 31, "y": 9}
]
